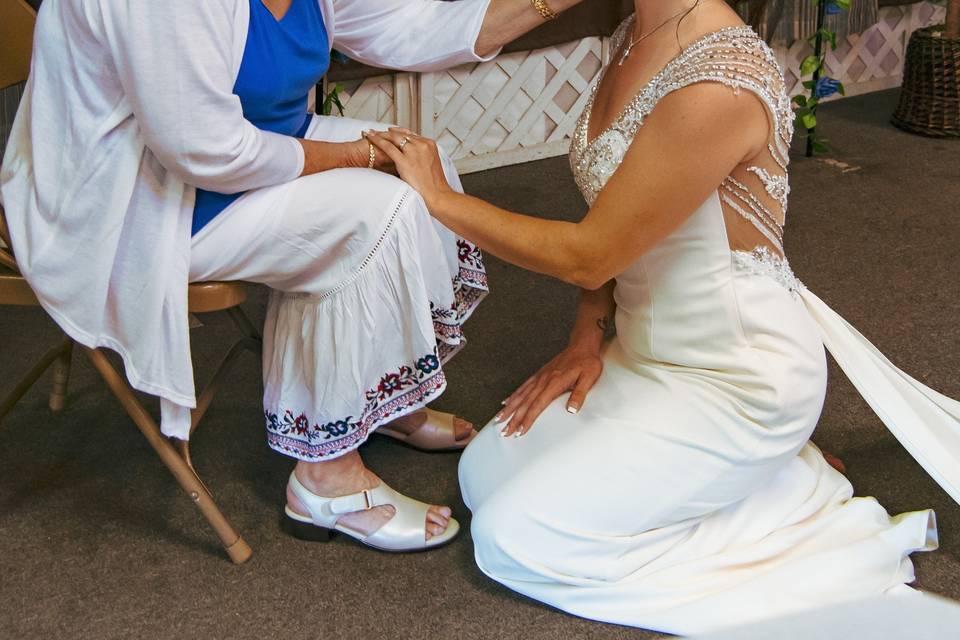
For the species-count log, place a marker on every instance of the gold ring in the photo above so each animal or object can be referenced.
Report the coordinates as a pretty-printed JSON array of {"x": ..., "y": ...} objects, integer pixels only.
[{"x": 403, "y": 143}]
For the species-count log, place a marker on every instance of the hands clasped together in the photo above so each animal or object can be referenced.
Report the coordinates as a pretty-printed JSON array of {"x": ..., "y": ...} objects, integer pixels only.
[
  {"x": 415, "y": 158},
  {"x": 575, "y": 369}
]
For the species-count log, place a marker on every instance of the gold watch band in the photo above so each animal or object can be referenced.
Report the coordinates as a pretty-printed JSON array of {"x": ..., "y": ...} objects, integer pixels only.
[
  {"x": 544, "y": 9},
  {"x": 372, "y": 159}
]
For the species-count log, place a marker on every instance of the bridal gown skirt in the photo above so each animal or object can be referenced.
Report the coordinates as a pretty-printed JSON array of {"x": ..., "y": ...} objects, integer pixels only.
[
  {"x": 685, "y": 496},
  {"x": 368, "y": 297}
]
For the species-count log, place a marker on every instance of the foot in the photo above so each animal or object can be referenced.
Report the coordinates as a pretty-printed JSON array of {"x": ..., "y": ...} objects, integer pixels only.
[
  {"x": 408, "y": 424},
  {"x": 834, "y": 462},
  {"x": 347, "y": 475}
]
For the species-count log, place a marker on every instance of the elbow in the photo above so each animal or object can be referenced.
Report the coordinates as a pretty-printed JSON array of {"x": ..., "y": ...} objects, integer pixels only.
[
  {"x": 589, "y": 274},
  {"x": 208, "y": 173},
  {"x": 213, "y": 167}
]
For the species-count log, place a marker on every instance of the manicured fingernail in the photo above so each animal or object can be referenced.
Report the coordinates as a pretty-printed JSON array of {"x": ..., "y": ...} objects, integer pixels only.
[
  {"x": 572, "y": 408},
  {"x": 499, "y": 418},
  {"x": 503, "y": 432},
  {"x": 504, "y": 401},
  {"x": 518, "y": 433}
]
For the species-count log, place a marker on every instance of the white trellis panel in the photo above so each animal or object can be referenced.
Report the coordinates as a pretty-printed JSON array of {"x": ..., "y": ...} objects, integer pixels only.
[
  {"x": 519, "y": 107},
  {"x": 870, "y": 61},
  {"x": 523, "y": 106}
]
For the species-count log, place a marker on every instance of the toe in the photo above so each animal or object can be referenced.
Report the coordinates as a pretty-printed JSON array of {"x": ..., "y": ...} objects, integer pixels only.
[
  {"x": 435, "y": 515},
  {"x": 463, "y": 430}
]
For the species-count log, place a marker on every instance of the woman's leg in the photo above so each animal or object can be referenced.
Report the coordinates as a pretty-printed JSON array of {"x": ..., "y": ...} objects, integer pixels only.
[{"x": 368, "y": 297}]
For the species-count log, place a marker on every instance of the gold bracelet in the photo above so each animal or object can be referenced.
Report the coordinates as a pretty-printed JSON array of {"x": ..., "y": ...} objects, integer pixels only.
[
  {"x": 373, "y": 155},
  {"x": 544, "y": 9}
]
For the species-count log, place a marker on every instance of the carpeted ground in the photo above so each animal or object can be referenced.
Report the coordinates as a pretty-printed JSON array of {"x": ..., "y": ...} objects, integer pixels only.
[{"x": 96, "y": 540}]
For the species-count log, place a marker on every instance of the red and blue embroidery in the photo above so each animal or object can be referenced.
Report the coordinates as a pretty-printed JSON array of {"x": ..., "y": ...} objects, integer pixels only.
[{"x": 408, "y": 388}]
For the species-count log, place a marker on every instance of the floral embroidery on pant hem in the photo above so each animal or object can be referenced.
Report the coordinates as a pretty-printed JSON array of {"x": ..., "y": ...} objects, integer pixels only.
[{"x": 396, "y": 394}]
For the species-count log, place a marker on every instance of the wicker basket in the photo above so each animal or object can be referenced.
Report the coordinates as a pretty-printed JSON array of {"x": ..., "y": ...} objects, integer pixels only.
[{"x": 930, "y": 97}]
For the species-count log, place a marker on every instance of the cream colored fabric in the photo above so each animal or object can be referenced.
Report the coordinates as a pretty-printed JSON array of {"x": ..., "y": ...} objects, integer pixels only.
[{"x": 685, "y": 496}]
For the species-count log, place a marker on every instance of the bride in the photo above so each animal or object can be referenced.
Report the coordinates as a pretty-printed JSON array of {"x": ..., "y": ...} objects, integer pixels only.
[{"x": 684, "y": 495}]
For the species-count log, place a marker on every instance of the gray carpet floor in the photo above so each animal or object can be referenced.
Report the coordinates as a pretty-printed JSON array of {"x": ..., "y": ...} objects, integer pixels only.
[{"x": 96, "y": 540}]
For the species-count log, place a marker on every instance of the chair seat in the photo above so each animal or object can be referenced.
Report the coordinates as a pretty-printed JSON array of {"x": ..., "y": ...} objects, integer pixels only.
[
  {"x": 14, "y": 290},
  {"x": 205, "y": 297}
]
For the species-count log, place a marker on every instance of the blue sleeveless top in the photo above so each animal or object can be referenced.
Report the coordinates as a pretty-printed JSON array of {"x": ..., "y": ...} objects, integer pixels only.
[{"x": 283, "y": 59}]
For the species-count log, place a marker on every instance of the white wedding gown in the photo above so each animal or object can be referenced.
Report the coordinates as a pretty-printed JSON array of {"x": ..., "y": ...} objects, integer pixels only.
[{"x": 685, "y": 496}]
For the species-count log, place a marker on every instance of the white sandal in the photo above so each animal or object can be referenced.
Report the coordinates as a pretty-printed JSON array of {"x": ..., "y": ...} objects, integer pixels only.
[
  {"x": 437, "y": 433},
  {"x": 405, "y": 531}
]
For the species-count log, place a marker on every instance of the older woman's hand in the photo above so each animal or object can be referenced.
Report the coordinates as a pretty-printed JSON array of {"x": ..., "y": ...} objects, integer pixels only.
[{"x": 416, "y": 159}]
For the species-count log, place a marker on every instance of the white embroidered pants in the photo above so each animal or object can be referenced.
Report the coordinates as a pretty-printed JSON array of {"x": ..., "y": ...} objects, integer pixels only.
[{"x": 369, "y": 295}]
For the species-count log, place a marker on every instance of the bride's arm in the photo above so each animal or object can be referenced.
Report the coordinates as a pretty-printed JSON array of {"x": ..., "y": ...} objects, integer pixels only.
[
  {"x": 693, "y": 140},
  {"x": 575, "y": 369}
]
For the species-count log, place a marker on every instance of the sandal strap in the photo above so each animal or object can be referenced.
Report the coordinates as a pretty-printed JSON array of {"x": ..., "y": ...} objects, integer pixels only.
[{"x": 360, "y": 501}]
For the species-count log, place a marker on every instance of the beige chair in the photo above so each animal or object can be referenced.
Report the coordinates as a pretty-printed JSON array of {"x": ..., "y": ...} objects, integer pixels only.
[{"x": 16, "y": 19}]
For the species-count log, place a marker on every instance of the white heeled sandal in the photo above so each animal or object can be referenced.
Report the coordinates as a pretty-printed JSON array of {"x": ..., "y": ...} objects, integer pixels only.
[
  {"x": 437, "y": 433},
  {"x": 405, "y": 531}
]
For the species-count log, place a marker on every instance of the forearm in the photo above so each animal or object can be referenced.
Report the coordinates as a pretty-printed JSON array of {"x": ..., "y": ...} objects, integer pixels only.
[
  {"x": 551, "y": 247},
  {"x": 507, "y": 20},
  {"x": 595, "y": 313},
  {"x": 322, "y": 156}
]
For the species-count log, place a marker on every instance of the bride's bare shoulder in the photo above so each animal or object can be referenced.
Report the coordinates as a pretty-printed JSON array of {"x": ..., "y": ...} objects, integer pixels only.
[{"x": 708, "y": 17}]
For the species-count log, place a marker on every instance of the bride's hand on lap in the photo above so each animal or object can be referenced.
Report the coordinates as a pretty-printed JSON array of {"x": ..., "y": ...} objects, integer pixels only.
[
  {"x": 416, "y": 159},
  {"x": 574, "y": 369}
]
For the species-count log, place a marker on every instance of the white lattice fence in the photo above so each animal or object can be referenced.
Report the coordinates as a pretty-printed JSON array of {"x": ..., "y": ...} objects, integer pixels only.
[
  {"x": 523, "y": 106},
  {"x": 870, "y": 61},
  {"x": 520, "y": 107}
]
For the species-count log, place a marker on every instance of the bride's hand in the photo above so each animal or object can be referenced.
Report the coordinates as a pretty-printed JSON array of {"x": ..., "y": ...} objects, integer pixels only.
[
  {"x": 416, "y": 159},
  {"x": 574, "y": 369}
]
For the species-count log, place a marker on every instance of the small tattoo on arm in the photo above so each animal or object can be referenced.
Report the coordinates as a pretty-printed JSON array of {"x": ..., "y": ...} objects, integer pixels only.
[{"x": 604, "y": 324}]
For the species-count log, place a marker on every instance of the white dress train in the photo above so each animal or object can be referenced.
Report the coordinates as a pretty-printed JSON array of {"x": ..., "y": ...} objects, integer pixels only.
[{"x": 685, "y": 496}]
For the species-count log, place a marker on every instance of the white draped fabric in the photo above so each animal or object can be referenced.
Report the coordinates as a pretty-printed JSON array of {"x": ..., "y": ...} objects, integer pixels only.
[{"x": 685, "y": 496}]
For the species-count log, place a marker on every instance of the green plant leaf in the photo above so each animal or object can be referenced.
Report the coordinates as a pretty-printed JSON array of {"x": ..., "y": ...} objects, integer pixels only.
[
  {"x": 840, "y": 89},
  {"x": 800, "y": 100},
  {"x": 809, "y": 120},
  {"x": 809, "y": 65},
  {"x": 819, "y": 146}
]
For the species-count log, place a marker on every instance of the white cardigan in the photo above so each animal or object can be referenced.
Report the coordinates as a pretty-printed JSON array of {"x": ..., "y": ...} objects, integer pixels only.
[{"x": 129, "y": 106}]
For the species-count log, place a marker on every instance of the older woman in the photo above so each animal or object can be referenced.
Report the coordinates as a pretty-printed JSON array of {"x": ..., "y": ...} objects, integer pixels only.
[{"x": 162, "y": 142}]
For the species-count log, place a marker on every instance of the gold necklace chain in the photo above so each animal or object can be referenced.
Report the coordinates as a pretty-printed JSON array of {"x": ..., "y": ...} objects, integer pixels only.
[{"x": 635, "y": 42}]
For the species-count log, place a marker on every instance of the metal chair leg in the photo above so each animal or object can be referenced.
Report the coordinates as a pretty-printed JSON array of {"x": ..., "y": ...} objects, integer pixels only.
[
  {"x": 206, "y": 397},
  {"x": 33, "y": 375},
  {"x": 61, "y": 378},
  {"x": 244, "y": 323},
  {"x": 236, "y": 547}
]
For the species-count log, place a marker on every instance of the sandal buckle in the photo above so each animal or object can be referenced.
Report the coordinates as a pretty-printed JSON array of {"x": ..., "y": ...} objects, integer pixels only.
[{"x": 368, "y": 499}]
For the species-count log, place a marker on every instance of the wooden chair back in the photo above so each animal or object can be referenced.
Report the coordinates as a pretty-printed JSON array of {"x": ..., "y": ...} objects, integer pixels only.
[{"x": 17, "y": 20}]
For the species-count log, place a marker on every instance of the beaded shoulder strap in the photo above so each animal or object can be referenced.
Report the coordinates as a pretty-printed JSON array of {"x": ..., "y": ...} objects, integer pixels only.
[{"x": 736, "y": 57}]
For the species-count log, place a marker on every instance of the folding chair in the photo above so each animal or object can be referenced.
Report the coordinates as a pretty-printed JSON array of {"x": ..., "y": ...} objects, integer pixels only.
[{"x": 203, "y": 298}]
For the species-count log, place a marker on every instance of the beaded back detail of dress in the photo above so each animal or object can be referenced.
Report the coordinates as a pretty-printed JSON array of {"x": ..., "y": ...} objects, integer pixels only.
[{"x": 735, "y": 57}]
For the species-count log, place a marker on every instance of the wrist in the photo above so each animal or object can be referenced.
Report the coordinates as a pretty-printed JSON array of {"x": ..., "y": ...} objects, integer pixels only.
[
  {"x": 357, "y": 153},
  {"x": 588, "y": 340},
  {"x": 438, "y": 200}
]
